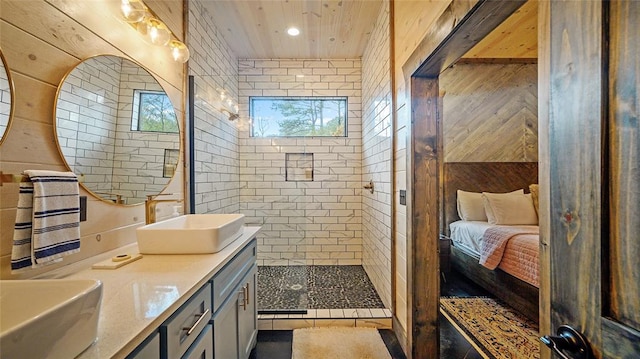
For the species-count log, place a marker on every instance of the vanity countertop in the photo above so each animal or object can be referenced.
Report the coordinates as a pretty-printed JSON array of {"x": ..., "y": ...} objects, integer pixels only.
[{"x": 138, "y": 297}]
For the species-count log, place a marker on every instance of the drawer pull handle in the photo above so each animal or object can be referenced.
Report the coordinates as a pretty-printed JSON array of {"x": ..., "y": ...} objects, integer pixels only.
[
  {"x": 193, "y": 327},
  {"x": 243, "y": 303},
  {"x": 246, "y": 295}
]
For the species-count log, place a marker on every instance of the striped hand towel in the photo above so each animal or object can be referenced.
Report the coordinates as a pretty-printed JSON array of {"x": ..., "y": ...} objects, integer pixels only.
[
  {"x": 55, "y": 220},
  {"x": 21, "y": 250}
]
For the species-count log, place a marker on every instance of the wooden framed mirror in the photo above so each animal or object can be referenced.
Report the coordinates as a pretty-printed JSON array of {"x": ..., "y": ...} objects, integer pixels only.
[{"x": 6, "y": 98}]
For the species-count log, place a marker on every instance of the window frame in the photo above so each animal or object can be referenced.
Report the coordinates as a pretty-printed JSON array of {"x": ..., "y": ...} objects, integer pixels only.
[
  {"x": 294, "y": 98},
  {"x": 137, "y": 108}
]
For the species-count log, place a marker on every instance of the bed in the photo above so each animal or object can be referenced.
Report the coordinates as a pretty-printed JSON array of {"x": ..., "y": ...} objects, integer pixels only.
[{"x": 511, "y": 276}]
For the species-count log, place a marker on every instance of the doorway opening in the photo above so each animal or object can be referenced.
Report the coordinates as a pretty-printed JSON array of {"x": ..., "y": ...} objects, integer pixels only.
[{"x": 435, "y": 148}]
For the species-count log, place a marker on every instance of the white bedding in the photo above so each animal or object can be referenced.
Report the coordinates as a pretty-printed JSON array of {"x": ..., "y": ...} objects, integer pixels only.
[{"x": 468, "y": 235}]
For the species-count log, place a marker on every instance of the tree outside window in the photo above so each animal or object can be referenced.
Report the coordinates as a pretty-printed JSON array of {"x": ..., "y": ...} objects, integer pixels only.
[
  {"x": 298, "y": 116},
  {"x": 153, "y": 112}
]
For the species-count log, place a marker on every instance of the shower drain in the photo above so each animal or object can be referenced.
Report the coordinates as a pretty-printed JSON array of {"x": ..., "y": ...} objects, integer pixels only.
[{"x": 296, "y": 287}]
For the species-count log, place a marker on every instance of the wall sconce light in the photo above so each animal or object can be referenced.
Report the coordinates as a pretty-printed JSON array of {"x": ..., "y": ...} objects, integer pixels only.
[
  {"x": 232, "y": 116},
  {"x": 136, "y": 13}
]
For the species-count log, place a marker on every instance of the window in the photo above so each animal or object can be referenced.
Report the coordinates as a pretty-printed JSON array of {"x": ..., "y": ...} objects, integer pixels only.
[
  {"x": 298, "y": 116},
  {"x": 153, "y": 112}
]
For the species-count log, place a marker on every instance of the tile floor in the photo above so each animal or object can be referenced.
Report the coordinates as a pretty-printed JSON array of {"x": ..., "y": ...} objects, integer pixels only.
[
  {"x": 276, "y": 344},
  {"x": 291, "y": 297},
  {"x": 315, "y": 287}
]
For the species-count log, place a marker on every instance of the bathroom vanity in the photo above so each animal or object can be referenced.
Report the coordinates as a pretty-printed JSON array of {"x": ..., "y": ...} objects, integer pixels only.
[{"x": 179, "y": 306}]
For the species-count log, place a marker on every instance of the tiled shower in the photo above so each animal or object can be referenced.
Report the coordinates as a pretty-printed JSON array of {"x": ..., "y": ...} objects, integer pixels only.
[
  {"x": 308, "y": 227},
  {"x": 303, "y": 222}
]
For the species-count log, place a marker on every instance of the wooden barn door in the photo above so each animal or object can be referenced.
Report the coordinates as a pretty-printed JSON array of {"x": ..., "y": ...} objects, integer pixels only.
[{"x": 593, "y": 246}]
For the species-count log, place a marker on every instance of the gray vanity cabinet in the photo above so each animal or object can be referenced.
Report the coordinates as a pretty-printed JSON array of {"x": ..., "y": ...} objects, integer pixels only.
[
  {"x": 218, "y": 322},
  {"x": 235, "y": 318},
  {"x": 236, "y": 321}
]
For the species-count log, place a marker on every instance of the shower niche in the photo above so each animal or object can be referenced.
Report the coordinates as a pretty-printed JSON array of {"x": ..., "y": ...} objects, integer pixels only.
[{"x": 299, "y": 167}]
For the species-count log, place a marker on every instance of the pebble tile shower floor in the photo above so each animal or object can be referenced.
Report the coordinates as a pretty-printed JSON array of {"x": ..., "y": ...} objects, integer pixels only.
[{"x": 315, "y": 287}]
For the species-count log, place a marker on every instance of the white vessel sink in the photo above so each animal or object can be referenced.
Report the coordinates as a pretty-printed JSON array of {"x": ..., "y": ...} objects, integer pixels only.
[
  {"x": 190, "y": 234},
  {"x": 48, "y": 318}
]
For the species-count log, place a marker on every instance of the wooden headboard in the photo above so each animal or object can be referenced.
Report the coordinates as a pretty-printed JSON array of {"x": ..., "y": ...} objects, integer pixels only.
[{"x": 483, "y": 177}]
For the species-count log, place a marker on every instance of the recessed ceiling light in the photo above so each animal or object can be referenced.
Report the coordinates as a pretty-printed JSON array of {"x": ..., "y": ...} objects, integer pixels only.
[{"x": 293, "y": 31}]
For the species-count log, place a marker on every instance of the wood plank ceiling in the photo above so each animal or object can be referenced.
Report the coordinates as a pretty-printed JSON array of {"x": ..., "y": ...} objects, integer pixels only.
[
  {"x": 256, "y": 29},
  {"x": 516, "y": 37},
  {"x": 328, "y": 28}
]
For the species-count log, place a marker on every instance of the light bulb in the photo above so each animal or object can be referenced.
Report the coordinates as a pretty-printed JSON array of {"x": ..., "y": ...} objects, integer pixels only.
[
  {"x": 158, "y": 32},
  {"x": 132, "y": 10},
  {"x": 179, "y": 51},
  {"x": 143, "y": 26},
  {"x": 293, "y": 31}
]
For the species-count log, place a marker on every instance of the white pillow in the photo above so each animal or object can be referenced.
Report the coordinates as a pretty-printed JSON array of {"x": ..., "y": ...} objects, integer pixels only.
[
  {"x": 510, "y": 209},
  {"x": 471, "y": 205}
]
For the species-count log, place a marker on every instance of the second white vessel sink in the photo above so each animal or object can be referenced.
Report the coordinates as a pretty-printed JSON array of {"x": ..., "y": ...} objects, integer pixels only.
[
  {"x": 190, "y": 234},
  {"x": 48, "y": 318}
]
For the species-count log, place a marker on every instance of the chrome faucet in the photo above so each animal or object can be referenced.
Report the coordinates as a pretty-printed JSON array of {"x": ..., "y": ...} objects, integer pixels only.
[{"x": 150, "y": 206}]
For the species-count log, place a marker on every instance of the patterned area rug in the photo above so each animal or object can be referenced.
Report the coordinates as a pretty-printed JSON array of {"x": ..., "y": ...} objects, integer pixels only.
[{"x": 495, "y": 329}]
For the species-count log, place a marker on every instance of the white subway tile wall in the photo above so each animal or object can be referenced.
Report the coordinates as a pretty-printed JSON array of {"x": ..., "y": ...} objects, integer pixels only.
[
  {"x": 138, "y": 156},
  {"x": 214, "y": 66},
  {"x": 91, "y": 132},
  {"x": 377, "y": 157},
  {"x": 317, "y": 222}
]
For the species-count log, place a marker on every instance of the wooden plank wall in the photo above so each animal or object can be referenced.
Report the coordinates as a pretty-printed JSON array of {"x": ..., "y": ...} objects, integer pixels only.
[
  {"x": 483, "y": 177},
  {"x": 42, "y": 41},
  {"x": 490, "y": 112}
]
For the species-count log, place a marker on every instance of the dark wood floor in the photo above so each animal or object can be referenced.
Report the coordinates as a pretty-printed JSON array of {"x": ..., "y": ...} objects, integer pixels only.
[
  {"x": 453, "y": 344},
  {"x": 276, "y": 344}
]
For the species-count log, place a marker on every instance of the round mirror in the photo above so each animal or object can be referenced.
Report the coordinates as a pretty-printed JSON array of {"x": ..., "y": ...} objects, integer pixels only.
[
  {"x": 116, "y": 127},
  {"x": 6, "y": 98}
]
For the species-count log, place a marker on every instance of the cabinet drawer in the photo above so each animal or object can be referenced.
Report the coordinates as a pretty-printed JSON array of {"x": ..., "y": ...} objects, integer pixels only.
[
  {"x": 202, "y": 348},
  {"x": 226, "y": 280},
  {"x": 183, "y": 327}
]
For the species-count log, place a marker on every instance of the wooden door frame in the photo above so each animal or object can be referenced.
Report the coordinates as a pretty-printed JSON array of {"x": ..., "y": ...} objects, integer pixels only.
[{"x": 461, "y": 26}]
